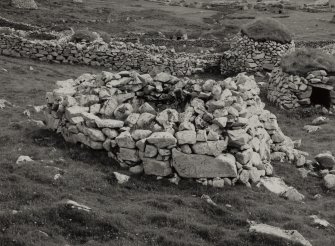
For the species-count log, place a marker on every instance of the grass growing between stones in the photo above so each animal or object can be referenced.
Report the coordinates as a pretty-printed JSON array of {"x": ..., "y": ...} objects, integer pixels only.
[{"x": 144, "y": 211}]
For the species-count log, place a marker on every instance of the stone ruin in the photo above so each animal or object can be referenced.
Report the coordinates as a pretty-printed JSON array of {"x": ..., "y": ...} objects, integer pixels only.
[
  {"x": 293, "y": 91},
  {"x": 24, "y": 4},
  {"x": 248, "y": 55},
  {"x": 217, "y": 132}
]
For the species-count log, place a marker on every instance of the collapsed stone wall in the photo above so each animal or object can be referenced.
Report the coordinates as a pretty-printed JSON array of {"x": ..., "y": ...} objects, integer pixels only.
[
  {"x": 247, "y": 55},
  {"x": 293, "y": 91},
  {"x": 115, "y": 55},
  {"x": 214, "y": 131}
]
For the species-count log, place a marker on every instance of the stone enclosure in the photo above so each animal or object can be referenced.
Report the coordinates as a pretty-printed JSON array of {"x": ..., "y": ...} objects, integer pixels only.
[
  {"x": 215, "y": 131},
  {"x": 293, "y": 91},
  {"x": 248, "y": 55},
  {"x": 115, "y": 55}
]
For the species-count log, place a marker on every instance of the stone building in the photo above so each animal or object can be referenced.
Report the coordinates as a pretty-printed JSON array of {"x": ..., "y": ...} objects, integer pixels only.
[
  {"x": 258, "y": 46},
  {"x": 293, "y": 91},
  {"x": 247, "y": 55}
]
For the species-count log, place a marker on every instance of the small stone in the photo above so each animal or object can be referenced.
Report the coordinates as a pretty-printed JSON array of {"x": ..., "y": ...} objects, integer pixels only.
[
  {"x": 138, "y": 169},
  {"x": 320, "y": 120},
  {"x": 186, "y": 137},
  {"x": 155, "y": 167},
  {"x": 109, "y": 107},
  {"x": 186, "y": 149},
  {"x": 162, "y": 139},
  {"x": 109, "y": 123},
  {"x": 140, "y": 144},
  {"x": 124, "y": 140},
  {"x": 329, "y": 181},
  {"x": 201, "y": 136},
  {"x": 147, "y": 108},
  {"x": 163, "y": 77},
  {"x": 123, "y": 111},
  {"x": 150, "y": 151},
  {"x": 132, "y": 119},
  {"x": 145, "y": 120},
  {"x": 126, "y": 154},
  {"x": 110, "y": 133},
  {"x": 167, "y": 116},
  {"x": 218, "y": 182},
  {"x": 326, "y": 160},
  {"x": 121, "y": 178},
  {"x": 140, "y": 134},
  {"x": 95, "y": 135}
]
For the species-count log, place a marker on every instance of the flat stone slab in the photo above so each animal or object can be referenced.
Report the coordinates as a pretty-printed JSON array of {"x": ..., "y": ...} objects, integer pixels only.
[
  {"x": 291, "y": 236},
  {"x": 204, "y": 166}
]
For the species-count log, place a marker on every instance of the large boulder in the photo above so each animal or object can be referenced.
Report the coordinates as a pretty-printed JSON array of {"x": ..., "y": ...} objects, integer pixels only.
[{"x": 203, "y": 166}]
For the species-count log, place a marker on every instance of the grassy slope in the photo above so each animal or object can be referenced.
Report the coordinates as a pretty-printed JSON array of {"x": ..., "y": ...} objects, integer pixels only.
[
  {"x": 113, "y": 16},
  {"x": 142, "y": 212}
]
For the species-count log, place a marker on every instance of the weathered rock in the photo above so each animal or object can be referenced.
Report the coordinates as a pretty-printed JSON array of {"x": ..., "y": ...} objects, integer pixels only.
[
  {"x": 109, "y": 123},
  {"x": 186, "y": 137},
  {"x": 203, "y": 166},
  {"x": 214, "y": 148},
  {"x": 126, "y": 154},
  {"x": 326, "y": 160},
  {"x": 155, "y": 167},
  {"x": 95, "y": 135},
  {"x": 162, "y": 139},
  {"x": 145, "y": 120},
  {"x": 290, "y": 236},
  {"x": 329, "y": 181},
  {"x": 150, "y": 151},
  {"x": 124, "y": 140},
  {"x": 140, "y": 134},
  {"x": 238, "y": 137}
]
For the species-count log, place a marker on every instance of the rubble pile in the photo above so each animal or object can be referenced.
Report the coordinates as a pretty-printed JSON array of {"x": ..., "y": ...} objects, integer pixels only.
[{"x": 217, "y": 132}]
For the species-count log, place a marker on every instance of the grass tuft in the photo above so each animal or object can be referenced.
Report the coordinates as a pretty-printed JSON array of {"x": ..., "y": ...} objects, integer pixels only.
[
  {"x": 267, "y": 29},
  {"x": 305, "y": 60}
]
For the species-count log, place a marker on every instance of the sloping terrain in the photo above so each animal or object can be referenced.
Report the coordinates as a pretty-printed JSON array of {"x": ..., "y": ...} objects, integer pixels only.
[{"x": 144, "y": 211}]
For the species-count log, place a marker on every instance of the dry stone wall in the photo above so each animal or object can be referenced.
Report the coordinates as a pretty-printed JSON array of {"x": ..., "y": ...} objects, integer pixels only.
[
  {"x": 115, "y": 55},
  {"x": 247, "y": 55},
  {"x": 214, "y": 131},
  {"x": 293, "y": 91}
]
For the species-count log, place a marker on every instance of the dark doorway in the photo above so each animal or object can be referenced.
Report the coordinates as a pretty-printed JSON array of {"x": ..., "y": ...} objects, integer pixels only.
[{"x": 320, "y": 96}]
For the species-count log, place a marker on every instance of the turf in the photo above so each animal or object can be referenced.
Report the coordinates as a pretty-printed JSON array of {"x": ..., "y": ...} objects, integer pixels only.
[
  {"x": 267, "y": 29},
  {"x": 305, "y": 60}
]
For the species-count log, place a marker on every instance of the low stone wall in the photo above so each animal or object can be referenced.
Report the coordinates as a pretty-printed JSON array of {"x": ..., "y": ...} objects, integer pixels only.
[
  {"x": 215, "y": 131},
  {"x": 203, "y": 43},
  {"x": 115, "y": 55},
  {"x": 313, "y": 44},
  {"x": 294, "y": 91},
  {"x": 247, "y": 55}
]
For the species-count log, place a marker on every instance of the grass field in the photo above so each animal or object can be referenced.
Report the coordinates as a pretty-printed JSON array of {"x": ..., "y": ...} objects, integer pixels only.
[
  {"x": 144, "y": 211},
  {"x": 119, "y": 16}
]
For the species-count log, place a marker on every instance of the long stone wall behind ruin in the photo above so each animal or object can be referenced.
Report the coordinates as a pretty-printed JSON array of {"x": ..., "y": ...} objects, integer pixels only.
[{"x": 115, "y": 55}]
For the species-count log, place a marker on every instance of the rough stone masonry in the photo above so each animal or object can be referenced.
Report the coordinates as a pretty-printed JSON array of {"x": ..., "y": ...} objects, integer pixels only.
[{"x": 204, "y": 129}]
